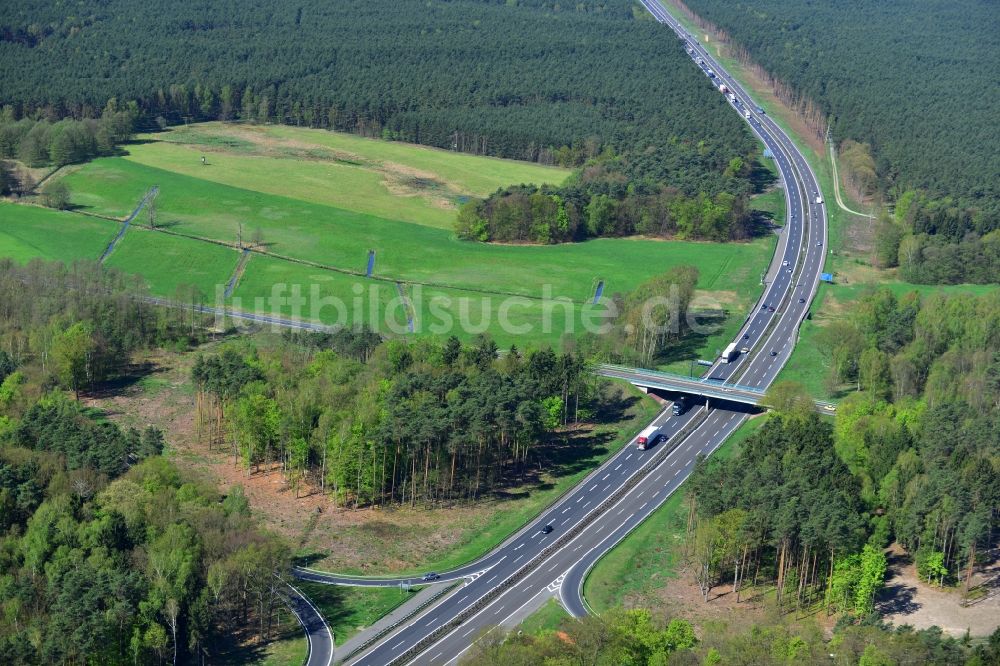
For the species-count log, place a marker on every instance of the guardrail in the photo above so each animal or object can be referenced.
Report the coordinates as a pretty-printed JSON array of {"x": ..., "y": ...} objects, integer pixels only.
[
  {"x": 417, "y": 648},
  {"x": 388, "y": 629}
]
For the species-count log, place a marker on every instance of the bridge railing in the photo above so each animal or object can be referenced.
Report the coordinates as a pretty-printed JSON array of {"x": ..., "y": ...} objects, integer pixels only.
[{"x": 680, "y": 378}]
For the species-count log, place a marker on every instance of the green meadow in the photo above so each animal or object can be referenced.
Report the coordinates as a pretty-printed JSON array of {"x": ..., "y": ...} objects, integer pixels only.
[
  {"x": 341, "y": 238},
  {"x": 387, "y": 179},
  {"x": 314, "y": 203},
  {"x": 166, "y": 261},
  {"x": 29, "y": 232}
]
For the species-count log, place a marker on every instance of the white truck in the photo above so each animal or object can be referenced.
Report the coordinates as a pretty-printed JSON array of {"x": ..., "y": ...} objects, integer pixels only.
[
  {"x": 729, "y": 353},
  {"x": 819, "y": 199},
  {"x": 647, "y": 437}
]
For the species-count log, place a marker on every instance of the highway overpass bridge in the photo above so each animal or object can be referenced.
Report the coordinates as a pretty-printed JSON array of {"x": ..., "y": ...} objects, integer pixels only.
[{"x": 702, "y": 387}]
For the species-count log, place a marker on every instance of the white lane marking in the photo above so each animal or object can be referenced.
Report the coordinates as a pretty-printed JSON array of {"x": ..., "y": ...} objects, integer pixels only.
[
  {"x": 605, "y": 477},
  {"x": 642, "y": 507},
  {"x": 628, "y": 456},
  {"x": 488, "y": 582},
  {"x": 606, "y": 487},
  {"x": 435, "y": 656},
  {"x": 393, "y": 648},
  {"x": 586, "y": 505},
  {"x": 620, "y": 511},
  {"x": 431, "y": 621},
  {"x": 578, "y": 499},
  {"x": 469, "y": 632},
  {"x": 565, "y": 510},
  {"x": 519, "y": 547},
  {"x": 619, "y": 465},
  {"x": 518, "y": 558},
  {"x": 591, "y": 488},
  {"x": 462, "y": 599}
]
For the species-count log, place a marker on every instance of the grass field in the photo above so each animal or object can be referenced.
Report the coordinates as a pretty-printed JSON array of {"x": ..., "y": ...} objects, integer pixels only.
[
  {"x": 29, "y": 232},
  {"x": 387, "y": 179},
  {"x": 414, "y": 253},
  {"x": 167, "y": 262},
  {"x": 323, "y": 198},
  {"x": 330, "y": 297},
  {"x": 650, "y": 553},
  {"x": 348, "y": 610}
]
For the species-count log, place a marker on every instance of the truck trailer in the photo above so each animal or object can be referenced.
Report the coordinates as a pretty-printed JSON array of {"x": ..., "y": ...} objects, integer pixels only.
[
  {"x": 647, "y": 437},
  {"x": 730, "y": 353}
]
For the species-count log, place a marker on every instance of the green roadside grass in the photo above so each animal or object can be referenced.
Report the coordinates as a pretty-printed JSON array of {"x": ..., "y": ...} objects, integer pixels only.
[
  {"x": 651, "y": 552},
  {"x": 546, "y": 618},
  {"x": 165, "y": 262},
  {"x": 31, "y": 232},
  {"x": 349, "y": 610},
  {"x": 771, "y": 202},
  {"x": 739, "y": 283},
  {"x": 524, "y": 504}
]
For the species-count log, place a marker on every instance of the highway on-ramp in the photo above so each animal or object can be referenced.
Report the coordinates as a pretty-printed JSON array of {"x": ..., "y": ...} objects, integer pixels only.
[{"x": 591, "y": 518}]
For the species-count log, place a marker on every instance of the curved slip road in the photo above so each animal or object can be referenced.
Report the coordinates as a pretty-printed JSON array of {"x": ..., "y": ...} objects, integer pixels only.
[
  {"x": 615, "y": 498},
  {"x": 318, "y": 634}
]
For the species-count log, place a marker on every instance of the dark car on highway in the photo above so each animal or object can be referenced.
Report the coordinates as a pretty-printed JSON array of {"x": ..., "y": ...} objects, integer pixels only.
[{"x": 546, "y": 529}]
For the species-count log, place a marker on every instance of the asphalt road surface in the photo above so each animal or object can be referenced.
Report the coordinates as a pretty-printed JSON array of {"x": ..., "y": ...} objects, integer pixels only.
[
  {"x": 318, "y": 634},
  {"x": 590, "y": 519}
]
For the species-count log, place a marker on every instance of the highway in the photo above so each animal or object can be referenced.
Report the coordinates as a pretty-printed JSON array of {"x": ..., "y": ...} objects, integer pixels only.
[{"x": 517, "y": 576}]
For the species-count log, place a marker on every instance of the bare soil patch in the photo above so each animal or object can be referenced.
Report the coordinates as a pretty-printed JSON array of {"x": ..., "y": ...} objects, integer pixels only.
[
  {"x": 680, "y": 596},
  {"x": 908, "y": 600}
]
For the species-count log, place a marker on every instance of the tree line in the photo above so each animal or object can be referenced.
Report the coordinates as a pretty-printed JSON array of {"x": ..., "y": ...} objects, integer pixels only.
[
  {"x": 109, "y": 554},
  {"x": 895, "y": 144},
  {"x": 644, "y": 638},
  {"x": 550, "y": 82},
  {"x": 938, "y": 241},
  {"x": 41, "y": 141},
  {"x": 142, "y": 567},
  {"x": 79, "y": 325},
  {"x": 922, "y": 432},
  {"x": 911, "y": 458},
  {"x": 403, "y": 423},
  {"x": 788, "y": 510},
  {"x": 602, "y": 200}
]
